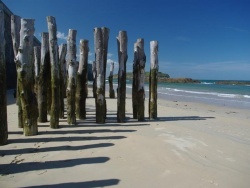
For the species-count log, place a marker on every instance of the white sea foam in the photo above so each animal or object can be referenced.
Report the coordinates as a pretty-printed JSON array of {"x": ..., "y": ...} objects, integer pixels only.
[
  {"x": 247, "y": 96},
  {"x": 207, "y": 83}
]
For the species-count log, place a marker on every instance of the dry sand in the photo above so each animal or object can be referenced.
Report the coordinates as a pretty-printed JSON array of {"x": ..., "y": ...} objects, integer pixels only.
[{"x": 191, "y": 145}]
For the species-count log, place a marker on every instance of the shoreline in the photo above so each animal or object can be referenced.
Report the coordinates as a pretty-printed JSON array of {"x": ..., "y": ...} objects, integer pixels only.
[{"x": 201, "y": 145}]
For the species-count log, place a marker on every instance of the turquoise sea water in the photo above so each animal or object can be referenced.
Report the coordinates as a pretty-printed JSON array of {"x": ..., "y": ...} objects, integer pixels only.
[{"x": 207, "y": 92}]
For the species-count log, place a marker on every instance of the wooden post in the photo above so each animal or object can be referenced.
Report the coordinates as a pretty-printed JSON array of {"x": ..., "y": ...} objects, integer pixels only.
[
  {"x": 3, "y": 98},
  {"x": 24, "y": 62},
  {"x": 153, "y": 80},
  {"x": 37, "y": 63},
  {"x": 94, "y": 78},
  {"x": 71, "y": 88},
  {"x": 140, "y": 62},
  {"x": 122, "y": 41},
  {"x": 105, "y": 35},
  {"x": 43, "y": 79},
  {"x": 62, "y": 62},
  {"x": 100, "y": 76},
  {"x": 135, "y": 83},
  {"x": 15, "y": 34},
  {"x": 82, "y": 80},
  {"x": 54, "y": 62},
  {"x": 111, "y": 88}
]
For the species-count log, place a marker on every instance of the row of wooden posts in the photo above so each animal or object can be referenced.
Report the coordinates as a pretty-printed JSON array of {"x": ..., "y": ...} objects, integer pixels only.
[{"x": 41, "y": 72}]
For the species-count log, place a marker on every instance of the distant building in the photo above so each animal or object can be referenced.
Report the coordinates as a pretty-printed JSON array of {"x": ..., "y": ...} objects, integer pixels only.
[{"x": 9, "y": 53}]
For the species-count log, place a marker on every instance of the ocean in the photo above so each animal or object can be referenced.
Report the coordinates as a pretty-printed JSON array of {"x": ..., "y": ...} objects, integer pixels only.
[{"x": 207, "y": 92}]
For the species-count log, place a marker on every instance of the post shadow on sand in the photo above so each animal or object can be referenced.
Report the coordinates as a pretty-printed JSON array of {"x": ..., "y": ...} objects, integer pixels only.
[
  {"x": 173, "y": 118},
  {"x": 51, "y": 149},
  {"x": 86, "y": 184},
  {"x": 14, "y": 168},
  {"x": 64, "y": 139}
]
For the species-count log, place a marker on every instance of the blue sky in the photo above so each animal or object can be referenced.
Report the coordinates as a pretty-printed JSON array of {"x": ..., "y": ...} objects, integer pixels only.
[{"x": 201, "y": 39}]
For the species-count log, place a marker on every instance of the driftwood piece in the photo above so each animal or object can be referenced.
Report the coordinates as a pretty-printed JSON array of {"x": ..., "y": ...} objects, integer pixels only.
[
  {"x": 139, "y": 61},
  {"x": 111, "y": 88},
  {"x": 62, "y": 64},
  {"x": 154, "y": 66},
  {"x": 100, "y": 76},
  {"x": 82, "y": 80},
  {"x": 122, "y": 42},
  {"x": 71, "y": 84},
  {"x": 25, "y": 67},
  {"x": 54, "y": 62},
  {"x": 15, "y": 34},
  {"x": 3, "y": 97}
]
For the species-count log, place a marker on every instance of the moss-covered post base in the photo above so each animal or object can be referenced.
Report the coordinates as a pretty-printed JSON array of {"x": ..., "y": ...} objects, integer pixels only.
[{"x": 71, "y": 116}]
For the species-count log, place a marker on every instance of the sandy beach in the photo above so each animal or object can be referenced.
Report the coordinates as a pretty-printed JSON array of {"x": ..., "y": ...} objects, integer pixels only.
[{"x": 190, "y": 145}]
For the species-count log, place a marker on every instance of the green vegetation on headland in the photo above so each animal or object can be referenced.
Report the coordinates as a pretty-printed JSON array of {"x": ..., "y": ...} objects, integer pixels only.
[
  {"x": 233, "y": 82},
  {"x": 162, "y": 77}
]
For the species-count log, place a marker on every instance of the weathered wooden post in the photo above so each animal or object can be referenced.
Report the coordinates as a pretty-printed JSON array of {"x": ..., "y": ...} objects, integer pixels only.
[
  {"x": 122, "y": 41},
  {"x": 62, "y": 55},
  {"x": 43, "y": 79},
  {"x": 82, "y": 80},
  {"x": 111, "y": 88},
  {"x": 15, "y": 34},
  {"x": 3, "y": 98},
  {"x": 54, "y": 62},
  {"x": 94, "y": 78},
  {"x": 100, "y": 76},
  {"x": 24, "y": 62},
  {"x": 37, "y": 63},
  {"x": 153, "y": 80},
  {"x": 135, "y": 83},
  {"x": 71, "y": 87},
  {"x": 140, "y": 60},
  {"x": 105, "y": 35}
]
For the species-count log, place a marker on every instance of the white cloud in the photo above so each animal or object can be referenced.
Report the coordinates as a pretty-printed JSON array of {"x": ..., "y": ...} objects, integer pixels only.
[
  {"x": 61, "y": 35},
  {"x": 110, "y": 55},
  {"x": 111, "y": 60},
  {"x": 90, "y": 53}
]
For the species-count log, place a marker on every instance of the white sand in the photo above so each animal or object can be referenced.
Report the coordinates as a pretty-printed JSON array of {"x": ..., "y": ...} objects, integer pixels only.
[{"x": 191, "y": 145}]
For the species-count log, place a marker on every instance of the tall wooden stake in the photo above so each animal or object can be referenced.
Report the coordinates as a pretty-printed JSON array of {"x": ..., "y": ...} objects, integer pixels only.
[
  {"x": 71, "y": 88},
  {"x": 3, "y": 98},
  {"x": 82, "y": 80},
  {"x": 122, "y": 41},
  {"x": 15, "y": 34},
  {"x": 140, "y": 60},
  {"x": 44, "y": 75},
  {"x": 100, "y": 76},
  {"x": 54, "y": 62},
  {"x": 111, "y": 88},
  {"x": 37, "y": 63},
  {"x": 153, "y": 80},
  {"x": 105, "y": 35},
  {"x": 135, "y": 83},
  {"x": 24, "y": 62},
  {"x": 94, "y": 78},
  {"x": 62, "y": 60}
]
